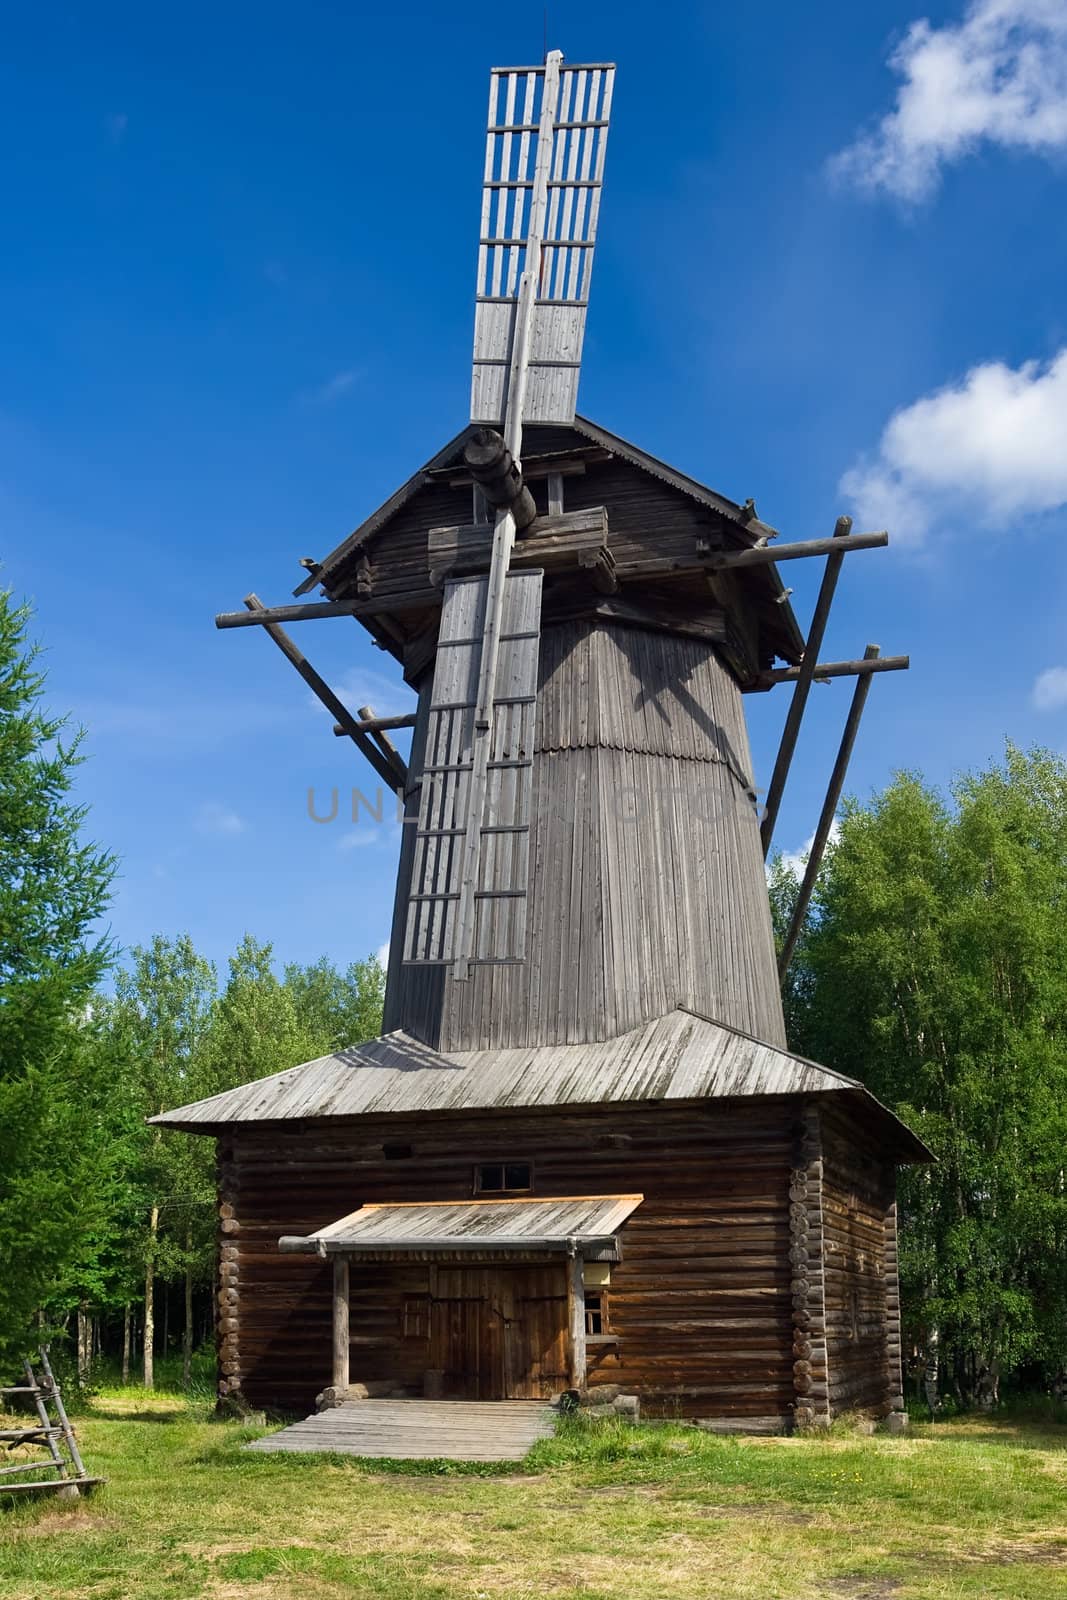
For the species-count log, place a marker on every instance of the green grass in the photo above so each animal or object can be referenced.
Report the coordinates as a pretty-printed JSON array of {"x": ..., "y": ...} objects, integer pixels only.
[{"x": 971, "y": 1508}]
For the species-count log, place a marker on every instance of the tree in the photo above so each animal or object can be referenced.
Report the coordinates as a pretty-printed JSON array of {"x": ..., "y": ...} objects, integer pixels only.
[
  {"x": 255, "y": 1029},
  {"x": 159, "y": 1024},
  {"x": 54, "y": 888},
  {"x": 934, "y": 969},
  {"x": 336, "y": 1009}
]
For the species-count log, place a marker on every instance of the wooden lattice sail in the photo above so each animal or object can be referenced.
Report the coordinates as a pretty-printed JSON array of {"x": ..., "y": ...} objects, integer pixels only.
[{"x": 544, "y": 170}]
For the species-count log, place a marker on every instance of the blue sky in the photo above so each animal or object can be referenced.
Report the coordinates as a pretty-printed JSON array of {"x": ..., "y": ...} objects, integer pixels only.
[{"x": 237, "y": 275}]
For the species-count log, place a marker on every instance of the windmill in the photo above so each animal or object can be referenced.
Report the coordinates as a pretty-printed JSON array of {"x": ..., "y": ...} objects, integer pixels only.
[
  {"x": 544, "y": 166},
  {"x": 645, "y": 609},
  {"x": 583, "y": 1033}
]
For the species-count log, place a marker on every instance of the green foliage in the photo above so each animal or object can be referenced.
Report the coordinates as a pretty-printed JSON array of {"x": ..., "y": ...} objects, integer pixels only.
[
  {"x": 337, "y": 1009},
  {"x": 54, "y": 886},
  {"x": 170, "y": 1036},
  {"x": 934, "y": 969}
]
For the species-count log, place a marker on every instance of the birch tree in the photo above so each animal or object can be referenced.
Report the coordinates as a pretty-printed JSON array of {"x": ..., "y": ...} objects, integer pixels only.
[{"x": 934, "y": 969}]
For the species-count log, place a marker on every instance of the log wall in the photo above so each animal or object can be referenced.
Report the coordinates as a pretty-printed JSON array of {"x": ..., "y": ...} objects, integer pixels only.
[
  {"x": 758, "y": 1276},
  {"x": 811, "y": 1375},
  {"x": 861, "y": 1294},
  {"x": 700, "y": 1303}
]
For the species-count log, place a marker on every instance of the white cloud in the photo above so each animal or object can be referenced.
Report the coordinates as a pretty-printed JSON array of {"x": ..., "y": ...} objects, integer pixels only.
[
  {"x": 382, "y": 954},
  {"x": 334, "y": 388},
  {"x": 373, "y": 835},
  {"x": 1050, "y": 689},
  {"x": 999, "y": 76},
  {"x": 797, "y": 860},
  {"x": 215, "y": 818},
  {"x": 993, "y": 446},
  {"x": 358, "y": 839},
  {"x": 359, "y": 686}
]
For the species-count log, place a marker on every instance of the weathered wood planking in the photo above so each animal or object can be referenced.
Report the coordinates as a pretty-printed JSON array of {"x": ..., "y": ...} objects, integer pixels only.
[
  {"x": 455, "y": 814},
  {"x": 646, "y": 884},
  {"x": 863, "y": 1337},
  {"x": 417, "y": 1430},
  {"x": 658, "y": 532},
  {"x": 700, "y": 1302}
]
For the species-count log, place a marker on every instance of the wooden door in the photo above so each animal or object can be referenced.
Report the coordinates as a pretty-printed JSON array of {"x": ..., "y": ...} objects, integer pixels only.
[
  {"x": 535, "y": 1332},
  {"x": 466, "y": 1339},
  {"x": 500, "y": 1333}
]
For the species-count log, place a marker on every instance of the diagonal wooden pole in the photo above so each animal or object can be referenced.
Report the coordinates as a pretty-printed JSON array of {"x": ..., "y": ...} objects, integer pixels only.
[
  {"x": 795, "y": 714},
  {"x": 829, "y": 809},
  {"x": 321, "y": 689}
]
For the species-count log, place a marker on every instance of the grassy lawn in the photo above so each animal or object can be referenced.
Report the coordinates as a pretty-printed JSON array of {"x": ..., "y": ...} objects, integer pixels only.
[{"x": 604, "y": 1512}]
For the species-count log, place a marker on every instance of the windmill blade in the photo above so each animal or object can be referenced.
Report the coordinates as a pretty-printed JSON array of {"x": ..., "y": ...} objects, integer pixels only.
[
  {"x": 453, "y": 804},
  {"x": 565, "y": 173}
]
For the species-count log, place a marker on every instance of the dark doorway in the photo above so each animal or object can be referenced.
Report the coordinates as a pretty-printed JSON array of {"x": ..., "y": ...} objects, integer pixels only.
[{"x": 498, "y": 1332}]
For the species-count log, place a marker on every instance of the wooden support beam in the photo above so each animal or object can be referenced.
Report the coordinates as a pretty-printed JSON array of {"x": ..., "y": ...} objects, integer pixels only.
[
  {"x": 829, "y": 809},
  {"x": 320, "y": 688},
  {"x": 795, "y": 714},
  {"x": 763, "y": 554},
  {"x": 571, "y": 463},
  {"x": 294, "y": 613},
  {"x": 378, "y": 724},
  {"x": 826, "y": 670},
  {"x": 576, "y": 1319},
  {"x": 600, "y": 564},
  {"x": 340, "y": 1323},
  {"x": 384, "y": 743},
  {"x": 554, "y": 543}
]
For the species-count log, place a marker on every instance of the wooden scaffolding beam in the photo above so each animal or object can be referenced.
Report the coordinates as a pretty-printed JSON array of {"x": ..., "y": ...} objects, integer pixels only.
[
  {"x": 795, "y": 714},
  {"x": 393, "y": 774},
  {"x": 826, "y": 818}
]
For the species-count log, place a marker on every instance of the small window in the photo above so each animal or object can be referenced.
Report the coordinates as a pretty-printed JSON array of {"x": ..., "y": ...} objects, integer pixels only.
[
  {"x": 416, "y": 1320},
  {"x": 594, "y": 1314},
  {"x": 503, "y": 1177},
  {"x": 396, "y": 1152}
]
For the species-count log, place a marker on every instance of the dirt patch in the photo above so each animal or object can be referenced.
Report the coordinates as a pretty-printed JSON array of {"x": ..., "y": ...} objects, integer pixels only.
[
  {"x": 858, "y": 1587},
  {"x": 1037, "y": 1554},
  {"x": 77, "y": 1520}
]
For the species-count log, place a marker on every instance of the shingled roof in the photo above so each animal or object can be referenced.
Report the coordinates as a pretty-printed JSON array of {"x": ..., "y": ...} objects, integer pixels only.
[{"x": 681, "y": 1056}]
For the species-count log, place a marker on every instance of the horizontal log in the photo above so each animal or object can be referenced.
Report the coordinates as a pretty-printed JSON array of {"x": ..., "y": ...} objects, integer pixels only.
[
  {"x": 834, "y": 669},
  {"x": 289, "y": 613},
  {"x": 377, "y": 724},
  {"x": 762, "y": 555},
  {"x": 553, "y": 542}
]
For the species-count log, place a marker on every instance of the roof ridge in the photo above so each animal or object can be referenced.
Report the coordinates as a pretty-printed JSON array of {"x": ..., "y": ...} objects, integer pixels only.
[{"x": 765, "y": 1044}]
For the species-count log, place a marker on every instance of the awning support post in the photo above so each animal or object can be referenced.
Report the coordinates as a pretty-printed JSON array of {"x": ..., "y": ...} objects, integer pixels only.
[
  {"x": 576, "y": 1317},
  {"x": 340, "y": 1322}
]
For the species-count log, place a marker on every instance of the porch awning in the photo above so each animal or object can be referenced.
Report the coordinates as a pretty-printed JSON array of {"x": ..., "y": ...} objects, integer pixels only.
[{"x": 567, "y": 1226}]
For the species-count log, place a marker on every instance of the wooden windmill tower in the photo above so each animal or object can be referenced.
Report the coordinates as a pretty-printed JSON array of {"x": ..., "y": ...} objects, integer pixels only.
[
  {"x": 583, "y": 993},
  {"x": 582, "y": 849}
]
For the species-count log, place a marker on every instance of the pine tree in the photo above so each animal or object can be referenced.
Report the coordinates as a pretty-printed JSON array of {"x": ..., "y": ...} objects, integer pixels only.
[{"x": 55, "y": 1169}]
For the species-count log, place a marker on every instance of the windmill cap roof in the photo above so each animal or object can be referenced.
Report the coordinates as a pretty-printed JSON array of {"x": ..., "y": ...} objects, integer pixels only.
[{"x": 749, "y": 530}]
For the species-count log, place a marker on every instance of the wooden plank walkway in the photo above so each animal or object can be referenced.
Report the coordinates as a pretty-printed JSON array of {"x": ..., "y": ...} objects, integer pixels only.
[{"x": 409, "y": 1430}]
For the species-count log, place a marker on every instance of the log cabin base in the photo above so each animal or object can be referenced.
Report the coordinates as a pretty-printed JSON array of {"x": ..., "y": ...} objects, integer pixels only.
[{"x": 750, "y": 1285}]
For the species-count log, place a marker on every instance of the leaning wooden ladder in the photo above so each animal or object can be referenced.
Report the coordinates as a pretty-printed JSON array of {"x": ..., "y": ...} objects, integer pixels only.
[{"x": 70, "y": 1474}]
